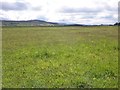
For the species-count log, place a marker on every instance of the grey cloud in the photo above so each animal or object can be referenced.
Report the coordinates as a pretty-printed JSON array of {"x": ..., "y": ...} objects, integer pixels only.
[
  {"x": 42, "y": 18},
  {"x": 109, "y": 17},
  {"x": 4, "y": 18},
  {"x": 6, "y": 6},
  {"x": 80, "y": 10},
  {"x": 110, "y": 8},
  {"x": 89, "y": 16},
  {"x": 36, "y": 8},
  {"x": 99, "y": 8}
]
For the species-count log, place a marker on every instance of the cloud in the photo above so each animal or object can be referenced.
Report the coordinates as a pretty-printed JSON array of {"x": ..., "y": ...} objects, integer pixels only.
[
  {"x": 65, "y": 11},
  {"x": 16, "y": 6},
  {"x": 38, "y": 8},
  {"x": 95, "y": 8},
  {"x": 42, "y": 18},
  {"x": 3, "y": 18},
  {"x": 79, "y": 10}
]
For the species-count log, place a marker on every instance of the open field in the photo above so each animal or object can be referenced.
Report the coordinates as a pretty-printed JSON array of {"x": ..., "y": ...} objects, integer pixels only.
[{"x": 82, "y": 57}]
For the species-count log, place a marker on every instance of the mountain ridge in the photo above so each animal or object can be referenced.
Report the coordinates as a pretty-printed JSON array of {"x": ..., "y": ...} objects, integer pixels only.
[
  {"x": 27, "y": 23},
  {"x": 42, "y": 23}
]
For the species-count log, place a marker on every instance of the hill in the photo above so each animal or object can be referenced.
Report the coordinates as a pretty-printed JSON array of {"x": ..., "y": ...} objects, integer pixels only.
[
  {"x": 44, "y": 23},
  {"x": 28, "y": 23}
]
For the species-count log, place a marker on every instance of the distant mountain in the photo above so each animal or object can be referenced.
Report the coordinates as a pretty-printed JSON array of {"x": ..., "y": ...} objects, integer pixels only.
[
  {"x": 42, "y": 23},
  {"x": 28, "y": 23}
]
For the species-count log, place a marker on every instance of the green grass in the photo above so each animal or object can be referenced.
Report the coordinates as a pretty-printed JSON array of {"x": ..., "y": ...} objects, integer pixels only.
[{"x": 60, "y": 57}]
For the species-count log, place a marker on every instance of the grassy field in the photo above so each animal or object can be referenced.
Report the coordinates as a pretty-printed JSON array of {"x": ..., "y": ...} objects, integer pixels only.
[{"x": 64, "y": 57}]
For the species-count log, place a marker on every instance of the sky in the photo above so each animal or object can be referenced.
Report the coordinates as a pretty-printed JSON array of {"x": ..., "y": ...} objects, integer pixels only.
[{"x": 62, "y": 11}]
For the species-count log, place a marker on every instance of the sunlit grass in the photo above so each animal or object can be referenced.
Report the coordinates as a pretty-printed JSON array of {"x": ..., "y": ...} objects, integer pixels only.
[{"x": 82, "y": 57}]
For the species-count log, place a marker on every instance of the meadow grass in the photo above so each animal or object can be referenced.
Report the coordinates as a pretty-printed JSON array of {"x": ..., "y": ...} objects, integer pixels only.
[{"x": 60, "y": 57}]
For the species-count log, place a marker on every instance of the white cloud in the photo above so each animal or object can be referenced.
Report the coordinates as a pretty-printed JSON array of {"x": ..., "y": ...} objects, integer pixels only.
[{"x": 70, "y": 11}]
